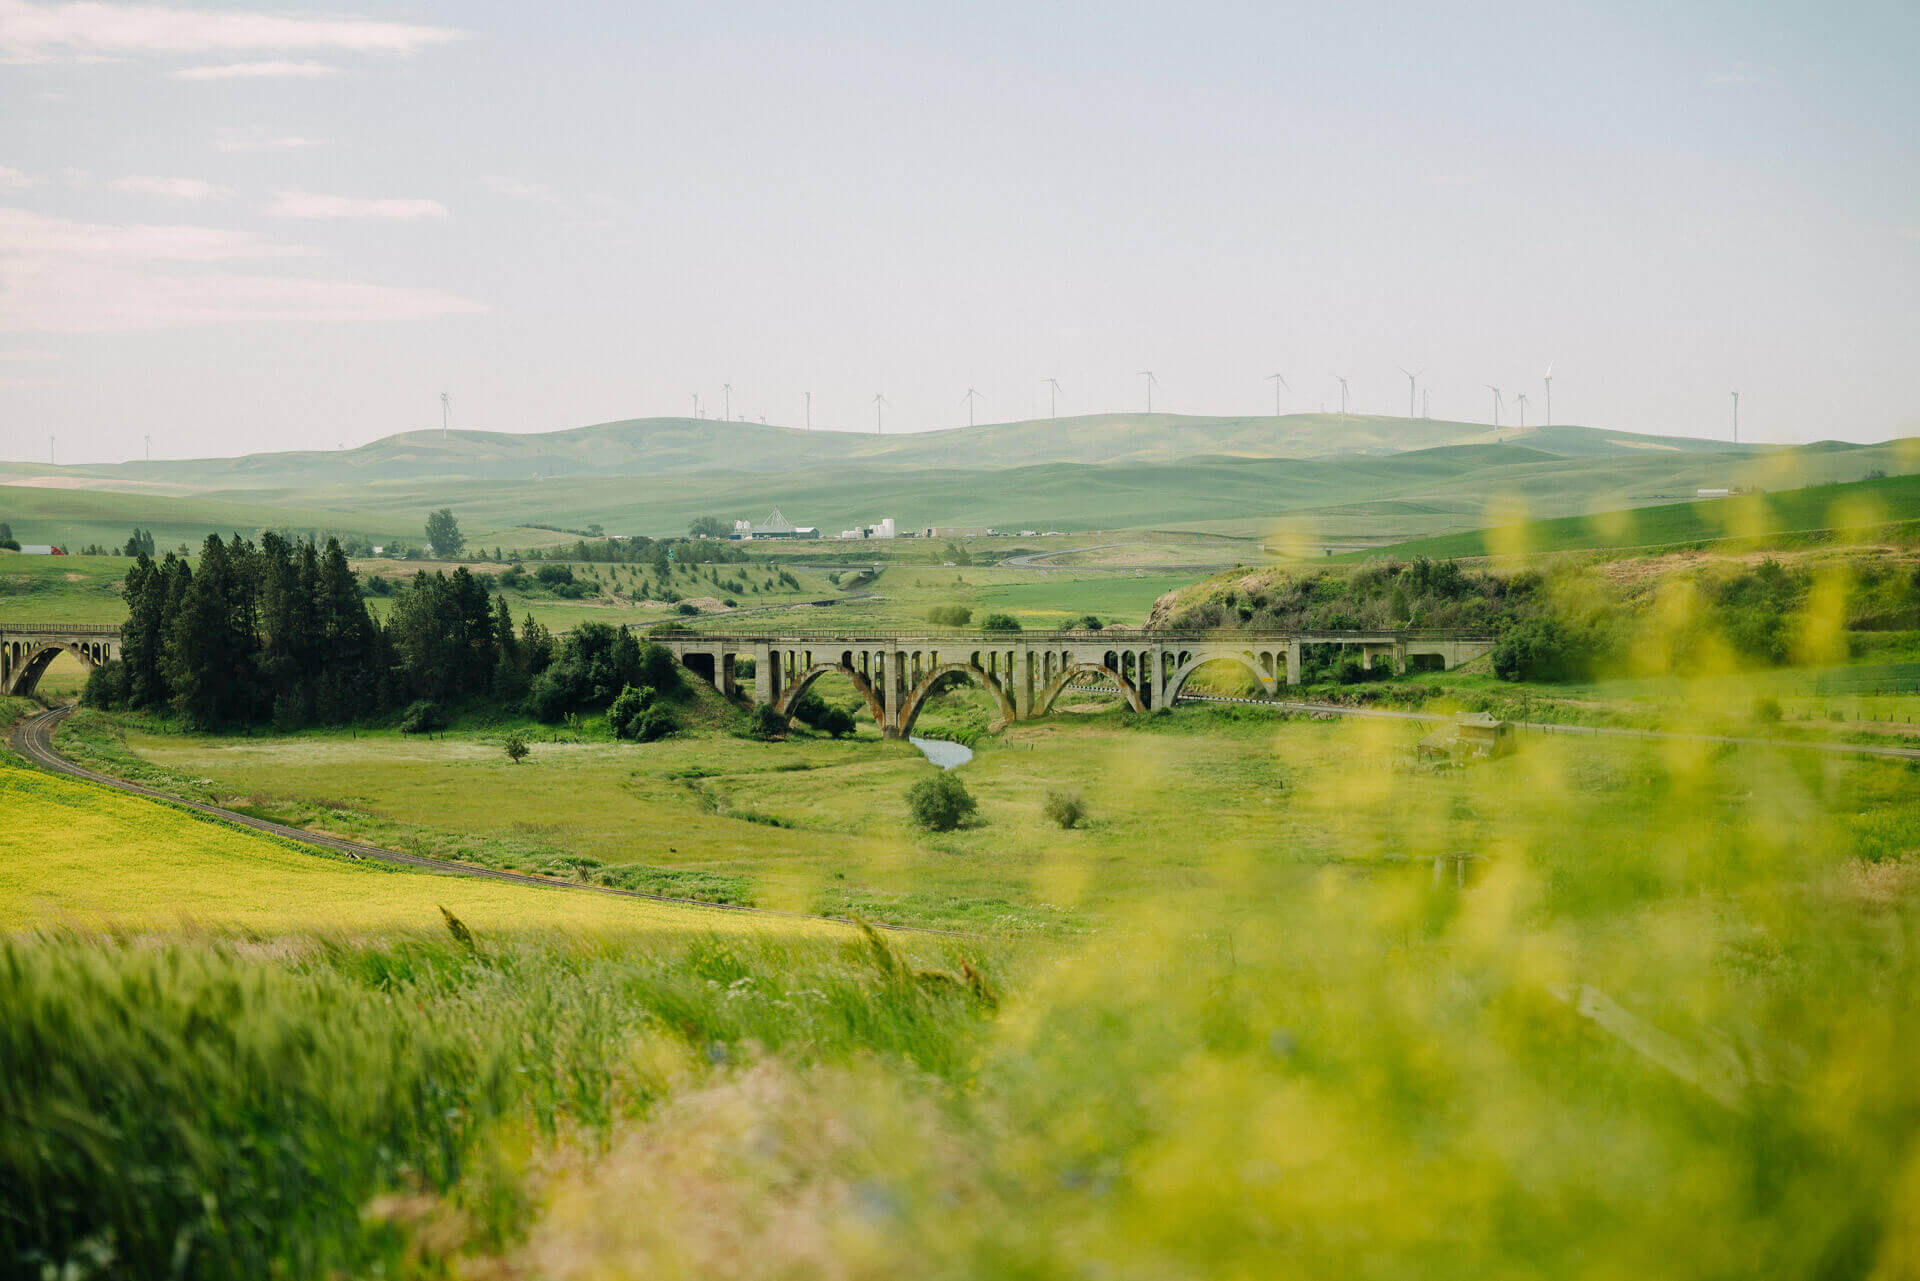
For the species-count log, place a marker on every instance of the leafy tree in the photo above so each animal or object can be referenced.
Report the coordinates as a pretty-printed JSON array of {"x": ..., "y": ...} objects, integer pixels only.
[
  {"x": 950, "y": 615},
  {"x": 140, "y": 543},
  {"x": 1085, "y": 623},
  {"x": 106, "y": 686},
  {"x": 516, "y": 746},
  {"x": 443, "y": 534},
  {"x": 999, "y": 623},
  {"x": 941, "y": 803},
  {"x": 835, "y": 721},
  {"x": 709, "y": 527},
  {"x": 1064, "y": 810},
  {"x": 423, "y": 716}
]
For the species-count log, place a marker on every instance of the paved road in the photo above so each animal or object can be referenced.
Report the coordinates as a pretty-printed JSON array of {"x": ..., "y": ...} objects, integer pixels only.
[
  {"x": 1590, "y": 731},
  {"x": 33, "y": 739}
]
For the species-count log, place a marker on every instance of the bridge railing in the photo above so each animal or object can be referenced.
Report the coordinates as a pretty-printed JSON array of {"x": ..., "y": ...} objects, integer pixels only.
[
  {"x": 1128, "y": 636},
  {"x": 42, "y": 629}
]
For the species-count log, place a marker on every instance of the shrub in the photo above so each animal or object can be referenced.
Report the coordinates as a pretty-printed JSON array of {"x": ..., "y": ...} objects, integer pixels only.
[
  {"x": 516, "y": 747},
  {"x": 422, "y": 716},
  {"x": 1064, "y": 810},
  {"x": 767, "y": 723},
  {"x": 1766, "y": 710},
  {"x": 837, "y": 721},
  {"x": 999, "y": 623},
  {"x": 106, "y": 686},
  {"x": 623, "y": 716},
  {"x": 654, "y": 723},
  {"x": 808, "y": 709},
  {"x": 547, "y": 698},
  {"x": 1085, "y": 623},
  {"x": 941, "y": 803},
  {"x": 686, "y": 609},
  {"x": 950, "y": 615}
]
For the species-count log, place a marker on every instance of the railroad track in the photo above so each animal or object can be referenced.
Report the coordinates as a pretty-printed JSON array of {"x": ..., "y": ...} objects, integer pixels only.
[{"x": 33, "y": 739}]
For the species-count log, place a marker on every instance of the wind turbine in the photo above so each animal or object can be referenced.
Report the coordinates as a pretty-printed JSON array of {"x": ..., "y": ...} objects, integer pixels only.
[
  {"x": 1736, "y": 417},
  {"x": 878, "y": 401},
  {"x": 1278, "y": 382},
  {"x": 49, "y": 451},
  {"x": 1522, "y": 398},
  {"x": 1425, "y": 408},
  {"x": 149, "y": 440},
  {"x": 446, "y": 414},
  {"x": 1343, "y": 398},
  {"x": 726, "y": 411},
  {"x": 809, "y": 411},
  {"x": 1151, "y": 380},
  {"x": 1497, "y": 402},
  {"x": 1053, "y": 396},
  {"x": 1411, "y": 378},
  {"x": 1549, "y": 382},
  {"x": 970, "y": 397},
  {"x": 696, "y": 405}
]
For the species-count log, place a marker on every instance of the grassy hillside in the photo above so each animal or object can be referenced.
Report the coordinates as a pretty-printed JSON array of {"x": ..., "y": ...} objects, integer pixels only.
[
  {"x": 1819, "y": 511},
  {"x": 76, "y": 517},
  {"x": 78, "y": 854},
  {"x": 676, "y": 446}
]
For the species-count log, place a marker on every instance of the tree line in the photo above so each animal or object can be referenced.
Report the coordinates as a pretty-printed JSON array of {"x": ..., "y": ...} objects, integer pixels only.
[{"x": 279, "y": 631}]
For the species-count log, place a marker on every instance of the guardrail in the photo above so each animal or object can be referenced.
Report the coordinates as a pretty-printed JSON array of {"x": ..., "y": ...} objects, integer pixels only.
[
  {"x": 42, "y": 629},
  {"x": 1131, "y": 635}
]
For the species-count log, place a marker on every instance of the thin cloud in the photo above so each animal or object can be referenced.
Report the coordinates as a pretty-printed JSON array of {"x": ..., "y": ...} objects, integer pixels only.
[
  {"x": 170, "y": 188},
  {"x": 258, "y": 140},
  {"x": 24, "y": 356},
  {"x": 32, "y": 32},
  {"x": 301, "y": 204},
  {"x": 258, "y": 71},
  {"x": 14, "y": 179},
  {"x": 73, "y": 277}
]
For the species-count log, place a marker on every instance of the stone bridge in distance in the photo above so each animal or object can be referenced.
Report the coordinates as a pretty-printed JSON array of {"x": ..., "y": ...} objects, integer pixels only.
[
  {"x": 1024, "y": 672},
  {"x": 27, "y": 651}
]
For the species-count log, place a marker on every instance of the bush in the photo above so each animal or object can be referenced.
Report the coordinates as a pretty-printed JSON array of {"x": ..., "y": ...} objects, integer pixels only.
[
  {"x": 422, "y": 716},
  {"x": 767, "y": 723},
  {"x": 626, "y": 711},
  {"x": 1064, "y": 810},
  {"x": 547, "y": 698},
  {"x": 1536, "y": 650},
  {"x": 516, "y": 747},
  {"x": 808, "y": 709},
  {"x": 999, "y": 623},
  {"x": 950, "y": 615},
  {"x": 686, "y": 609},
  {"x": 653, "y": 724},
  {"x": 837, "y": 722},
  {"x": 1085, "y": 623},
  {"x": 941, "y": 803},
  {"x": 106, "y": 686}
]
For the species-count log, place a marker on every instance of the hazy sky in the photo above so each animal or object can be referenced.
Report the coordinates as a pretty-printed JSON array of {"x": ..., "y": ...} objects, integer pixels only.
[{"x": 244, "y": 228}]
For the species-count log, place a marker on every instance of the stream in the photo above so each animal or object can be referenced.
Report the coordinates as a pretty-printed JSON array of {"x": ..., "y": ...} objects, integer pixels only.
[{"x": 942, "y": 753}]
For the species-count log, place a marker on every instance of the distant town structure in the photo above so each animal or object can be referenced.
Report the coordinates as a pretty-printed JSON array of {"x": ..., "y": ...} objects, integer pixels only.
[
  {"x": 881, "y": 529},
  {"x": 775, "y": 526},
  {"x": 957, "y": 531}
]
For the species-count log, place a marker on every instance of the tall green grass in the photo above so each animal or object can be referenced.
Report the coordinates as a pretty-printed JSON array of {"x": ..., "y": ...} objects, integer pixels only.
[{"x": 218, "y": 1108}]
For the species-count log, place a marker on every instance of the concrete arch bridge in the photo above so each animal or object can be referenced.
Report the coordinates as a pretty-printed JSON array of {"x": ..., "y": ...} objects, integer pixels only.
[
  {"x": 27, "y": 651},
  {"x": 1025, "y": 672}
]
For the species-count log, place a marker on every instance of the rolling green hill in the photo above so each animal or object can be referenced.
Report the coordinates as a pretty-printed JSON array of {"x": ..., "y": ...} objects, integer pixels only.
[
  {"x": 1852, "y": 509},
  {"x": 655, "y": 447}
]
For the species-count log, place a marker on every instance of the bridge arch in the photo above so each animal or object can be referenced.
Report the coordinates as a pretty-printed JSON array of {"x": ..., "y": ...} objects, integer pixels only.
[
  {"x": 1070, "y": 668},
  {"x": 1258, "y": 666},
  {"x": 791, "y": 694},
  {"x": 24, "y": 662},
  {"x": 945, "y": 672}
]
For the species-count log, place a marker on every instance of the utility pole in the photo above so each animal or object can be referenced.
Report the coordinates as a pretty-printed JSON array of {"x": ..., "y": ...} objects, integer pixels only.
[
  {"x": 1053, "y": 396},
  {"x": 1736, "y": 417}
]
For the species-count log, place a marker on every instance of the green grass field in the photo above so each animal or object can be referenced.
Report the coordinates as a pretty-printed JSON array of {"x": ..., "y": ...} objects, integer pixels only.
[
  {"x": 1818, "y": 514},
  {"x": 1665, "y": 975}
]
